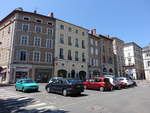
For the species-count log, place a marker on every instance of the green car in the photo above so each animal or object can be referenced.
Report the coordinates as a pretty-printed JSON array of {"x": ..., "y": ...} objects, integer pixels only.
[{"x": 26, "y": 84}]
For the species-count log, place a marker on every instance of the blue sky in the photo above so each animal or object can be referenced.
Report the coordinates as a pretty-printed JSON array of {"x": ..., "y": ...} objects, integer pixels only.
[{"x": 128, "y": 20}]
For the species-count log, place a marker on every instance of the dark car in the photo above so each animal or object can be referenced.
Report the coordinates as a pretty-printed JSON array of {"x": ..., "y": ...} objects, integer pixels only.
[{"x": 64, "y": 86}]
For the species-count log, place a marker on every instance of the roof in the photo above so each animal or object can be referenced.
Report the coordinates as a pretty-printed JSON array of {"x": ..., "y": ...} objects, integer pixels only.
[
  {"x": 94, "y": 35},
  {"x": 105, "y": 37},
  {"x": 31, "y": 13},
  {"x": 131, "y": 43}
]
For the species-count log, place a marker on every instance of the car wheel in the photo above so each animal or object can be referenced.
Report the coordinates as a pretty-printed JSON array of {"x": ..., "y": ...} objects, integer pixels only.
[
  {"x": 85, "y": 87},
  {"x": 101, "y": 89},
  {"x": 119, "y": 87},
  {"x": 23, "y": 90},
  {"x": 48, "y": 90},
  {"x": 16, "y": 89},
  {"x": 64, "y": 92}
]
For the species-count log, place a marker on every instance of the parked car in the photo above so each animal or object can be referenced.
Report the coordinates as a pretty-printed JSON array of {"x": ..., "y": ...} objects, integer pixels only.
[
  {"x": 26, "y": 84},
  {"x": 64, "y": 86},
  {"x": 128, "y": 82},
  {"x": 99, "y": 83},
  {"x": 115, "y": 83}
]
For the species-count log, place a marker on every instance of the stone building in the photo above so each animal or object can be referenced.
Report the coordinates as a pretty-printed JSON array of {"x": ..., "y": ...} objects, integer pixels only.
[
  {"x": 133, "y": 67},
  {"x": 71, "y": 51},
  {"x": 107, "y": 55},
  {"x": 118, "y": 56},
  {"x": 94, "y": 53},
  {"x": 27, "y": 46},
  {"x": 146, "y": 60}
]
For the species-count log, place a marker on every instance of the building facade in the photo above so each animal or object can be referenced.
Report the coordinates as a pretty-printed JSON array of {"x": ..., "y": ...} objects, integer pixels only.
[
  {"x": 146, "y": 60},
  {"x": 71, "y": 51},
  {"x": 94, "y": 64},
  {"x": 27, "y": 46},
  {"x": 133, "y": 67},
  {"x": 107, "y": 55},
  {"x": 118, "y": 56}
]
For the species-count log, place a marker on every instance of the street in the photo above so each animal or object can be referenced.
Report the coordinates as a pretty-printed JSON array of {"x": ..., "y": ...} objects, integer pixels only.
[{"x": 130, "y": 100}]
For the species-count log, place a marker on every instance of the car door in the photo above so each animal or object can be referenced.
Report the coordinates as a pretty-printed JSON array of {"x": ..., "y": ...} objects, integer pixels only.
[{"x": 97, "y": 83}]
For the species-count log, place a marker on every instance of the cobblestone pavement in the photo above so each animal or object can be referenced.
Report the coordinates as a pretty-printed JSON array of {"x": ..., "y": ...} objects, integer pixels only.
[{"x": 130, "y": 100}]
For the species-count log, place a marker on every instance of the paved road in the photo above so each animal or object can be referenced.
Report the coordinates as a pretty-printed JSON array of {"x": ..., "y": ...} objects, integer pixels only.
[{"x": 131, "y": 100}]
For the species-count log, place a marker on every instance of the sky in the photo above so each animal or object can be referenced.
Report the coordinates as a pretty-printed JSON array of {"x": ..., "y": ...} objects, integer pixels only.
[{"x": 128, "y": 20}]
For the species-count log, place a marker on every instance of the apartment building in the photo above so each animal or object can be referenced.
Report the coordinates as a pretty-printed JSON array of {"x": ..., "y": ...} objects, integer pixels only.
[
  {"x": 107, "y": 55},
  {"x": 27, "y": 46},
  {"x": 146, "y": 60},
  {"x": 118, "y": 56},
  {"x": 133, "y": 67},
  {"x": 71, "y": 51},
  {"x": 94, "y": 53}
]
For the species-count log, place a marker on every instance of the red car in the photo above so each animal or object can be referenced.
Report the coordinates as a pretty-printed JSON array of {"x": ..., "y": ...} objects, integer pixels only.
[{"x": 100, "y": 83}]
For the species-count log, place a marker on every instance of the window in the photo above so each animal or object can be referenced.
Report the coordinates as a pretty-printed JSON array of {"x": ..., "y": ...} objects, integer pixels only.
[
  {"x": 76, "y": 56},
  {"x": 110, "y": 60},
  {"x": 26, "y": 18},
  {"x": 50, "y": 23},
  {"x": 69, "y": 40},
  {"x": 38, "y": 29},
  {"x": 23, "y": 56},
  {"x": 69, "y": 55},
  {"x": 96, "y": 43},
  {"x": 24, "y": 40},
  {"x": 83, "y": 57},
  {"x": 8, "y": 30},
  {"x": 25, "y": 27},
  {"x": 36, "y": 56},
  {"x": 91, "y": 41},
  {"x": 49, "y": 57},
  {"x": 69, "y": 29},
  {"x": 76, "y": 43},
  {"x": 92, "y": 50},
  {"x": 62, "y": 27},
  {"x": 49, "y": 43},
  {"x": 62, "y": 38},
  {"x": 96, "y": 51},
  {"x": 148, "y": 63},
  {"x": 39, "y": 20},
  {"x": 104, "y": 60},
  {"x": 83, "y": 33},
  {"x": 83, "y": 46},
  {"x": 61, "y": 53},
  {"x": 49, "y": 31},
  {"x": 37, "y": 41},
  {"x": 76, "y": 31}
]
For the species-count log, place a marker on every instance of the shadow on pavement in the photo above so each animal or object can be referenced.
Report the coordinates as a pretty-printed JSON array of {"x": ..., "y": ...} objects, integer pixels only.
[
  {"x": 6, "y": 85},
  {"x": 23, "y": 105}
]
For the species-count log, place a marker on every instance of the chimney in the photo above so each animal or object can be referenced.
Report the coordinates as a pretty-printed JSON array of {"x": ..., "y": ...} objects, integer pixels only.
[
  {"x": 35, "y": 11},
  {"x": 107, "y": 36},
  {"x": 93, "y": 31},
  {"x": 51, "y": 14}
]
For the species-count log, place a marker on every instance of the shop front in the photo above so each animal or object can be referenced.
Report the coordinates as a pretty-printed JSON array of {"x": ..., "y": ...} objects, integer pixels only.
[
  {"x": 21, "y": 73},
  {"x": 43, "y": 75}
]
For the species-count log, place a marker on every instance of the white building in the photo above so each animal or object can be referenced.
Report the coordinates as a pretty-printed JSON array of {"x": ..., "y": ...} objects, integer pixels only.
[
  {"x": 146, "y": 60},
  {"x": 71, "y": 51},
  {"x": 133, "y": 61}
]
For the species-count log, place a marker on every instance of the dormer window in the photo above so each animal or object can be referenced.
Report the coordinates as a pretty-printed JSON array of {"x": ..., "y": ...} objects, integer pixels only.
[
  {"x": 39, "y": 20},
  {"x": 49, "y": 23},
  {"x": 26, "y": 18}
]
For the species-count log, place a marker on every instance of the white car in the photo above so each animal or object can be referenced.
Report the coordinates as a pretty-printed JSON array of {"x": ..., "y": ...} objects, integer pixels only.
[{"x": 128, "y": 81}]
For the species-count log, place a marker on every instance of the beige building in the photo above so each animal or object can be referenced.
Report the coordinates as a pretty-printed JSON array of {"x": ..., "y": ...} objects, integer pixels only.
[
  {"x": 107, "y": 55},
  {"x": 27, "y": 46},
  {"x": 71, "y": 51},
  {"x": 118, "y": 56},
  {"x": 133, "y": 66},
  {"x": 94, "y": 63},
  {"x": 146, "y": 60}
]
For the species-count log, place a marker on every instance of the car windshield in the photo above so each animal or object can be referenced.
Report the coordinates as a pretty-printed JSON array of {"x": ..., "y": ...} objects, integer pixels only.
[{"x": 28, "y": 81}]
